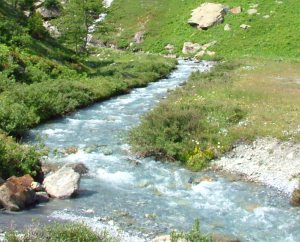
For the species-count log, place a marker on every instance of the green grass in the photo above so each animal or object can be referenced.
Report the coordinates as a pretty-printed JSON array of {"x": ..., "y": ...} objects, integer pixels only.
[
  {"x": 59, "y": 232},
  {"x": 214, "y": 110},
  {"x": 165, "y": 22}
]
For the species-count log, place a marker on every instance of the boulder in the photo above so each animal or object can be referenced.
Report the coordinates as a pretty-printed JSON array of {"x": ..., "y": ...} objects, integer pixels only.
[
  {"x": 190, "y": 48},
  {"x": 139, "y": 37},
  {"x": 207, "y": 15},
  {"x": 295, "y": 199},
  {"x": 16, "y": 193},
  {"x": 42, "y": 197},
  {"x": 64, "y": 183},
  {"x": 48, "y": 13},
  {"x": 79, "y": 168},
  {"x": 200, "y": 54},
  {"x": 236, "y": 10},
  {"x": 36, "y": 186}
]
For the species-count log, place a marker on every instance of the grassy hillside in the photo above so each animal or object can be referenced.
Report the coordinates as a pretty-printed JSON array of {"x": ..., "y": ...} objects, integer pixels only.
[
  {"x": 165, "y": 22},
  {"x": 41, "y": 79}
]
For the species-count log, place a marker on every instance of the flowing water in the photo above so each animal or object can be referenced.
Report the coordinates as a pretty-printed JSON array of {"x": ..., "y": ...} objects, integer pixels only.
[{"x": 145, "y": 197}]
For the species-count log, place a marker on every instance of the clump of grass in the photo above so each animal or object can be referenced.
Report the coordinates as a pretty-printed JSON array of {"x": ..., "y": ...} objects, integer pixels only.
[
  {"x": 214, "y": 110},
  {"x": 194, "y": 235},
  {"x": 59, "y": 232}
]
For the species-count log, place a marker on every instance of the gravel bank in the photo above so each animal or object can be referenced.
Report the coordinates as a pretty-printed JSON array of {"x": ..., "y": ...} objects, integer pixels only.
[{"x": 266, "y": 160}]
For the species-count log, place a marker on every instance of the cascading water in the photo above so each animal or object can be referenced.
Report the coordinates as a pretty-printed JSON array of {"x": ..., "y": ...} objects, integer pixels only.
[{"x": 145, "y": 197}]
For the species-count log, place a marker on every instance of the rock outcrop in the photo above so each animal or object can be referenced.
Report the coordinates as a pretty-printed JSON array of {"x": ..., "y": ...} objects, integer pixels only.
[
  {"x": 207, "y": 15},
  {"x": 49, "y": 13},
  {"x": 64, "y": 183},
  {"x": 16, "y": 193},
  {"x": 139, "y": 37},
  {"x": 190, "y": 48}
]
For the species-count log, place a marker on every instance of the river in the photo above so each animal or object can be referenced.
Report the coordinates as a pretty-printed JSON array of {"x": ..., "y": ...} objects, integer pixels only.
[{"x": 144, "y": 197}]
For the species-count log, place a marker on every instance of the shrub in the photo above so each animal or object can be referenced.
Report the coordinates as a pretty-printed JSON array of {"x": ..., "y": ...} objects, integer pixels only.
[
  {"x": 194, "y": 235},
  {"x": 35, "y": 25}
]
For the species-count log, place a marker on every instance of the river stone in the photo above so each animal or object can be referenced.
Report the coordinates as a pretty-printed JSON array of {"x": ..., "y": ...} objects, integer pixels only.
[
  {"x": 207, "y": 15},
  {"x": 16, "y": 193},
  {"x": 64, "y": 183}
]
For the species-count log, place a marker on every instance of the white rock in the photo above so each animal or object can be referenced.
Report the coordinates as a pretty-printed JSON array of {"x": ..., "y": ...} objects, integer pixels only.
[
  {"x": 207, "y": 15},
  {"x": 245, "y": 26},
  {"x": 252, "y": 11},
  {"x": 211, "y": 53},
  {"x": 227, "y": 27},
  {"x": 64, "y": 183},
  {"x": 190, "y": 48}
]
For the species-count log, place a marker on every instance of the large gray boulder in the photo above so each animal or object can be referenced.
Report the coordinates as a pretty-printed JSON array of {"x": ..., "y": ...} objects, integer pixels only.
[
  {"x": 16, "y": 193},
  {"x": 207, "y": 15},
  {"x": 63, "y": 183}
]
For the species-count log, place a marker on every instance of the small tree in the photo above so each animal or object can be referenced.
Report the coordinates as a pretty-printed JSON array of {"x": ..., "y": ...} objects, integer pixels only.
[
  {"x": 35, "y": 25},
  {"x": 78, "y": 16}
]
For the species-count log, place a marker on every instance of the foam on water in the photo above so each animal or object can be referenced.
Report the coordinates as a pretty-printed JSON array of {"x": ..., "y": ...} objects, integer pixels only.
[{"x": 118, "y": 177}]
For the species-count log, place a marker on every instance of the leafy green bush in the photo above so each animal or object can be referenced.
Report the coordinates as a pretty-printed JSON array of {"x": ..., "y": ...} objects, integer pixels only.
[
  {"x": 35, "y": 25},
  {"x": 16, "y": 159}
]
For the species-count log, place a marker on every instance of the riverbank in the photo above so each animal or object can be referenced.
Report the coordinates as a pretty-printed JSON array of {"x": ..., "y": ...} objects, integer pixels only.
[
  {"x": 236, "y": 102},
  {"x": 267, "y": 160}
]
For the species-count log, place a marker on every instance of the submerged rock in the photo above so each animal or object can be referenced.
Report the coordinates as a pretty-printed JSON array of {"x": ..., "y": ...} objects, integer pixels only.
[
  {"x": 64, "y": 183},
  {"x": 207, "y": 15},
  {"x": 16, "y": 193}
]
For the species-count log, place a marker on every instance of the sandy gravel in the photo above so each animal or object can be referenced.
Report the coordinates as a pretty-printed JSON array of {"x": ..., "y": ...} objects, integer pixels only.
[{"x": 266, "y": 160}]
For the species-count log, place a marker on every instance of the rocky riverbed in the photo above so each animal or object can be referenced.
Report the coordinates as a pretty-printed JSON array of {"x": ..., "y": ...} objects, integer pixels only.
[{"x": 266, "y": 160}]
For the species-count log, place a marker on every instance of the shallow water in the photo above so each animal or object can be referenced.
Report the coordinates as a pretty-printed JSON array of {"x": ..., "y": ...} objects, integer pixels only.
[{"x": 153, "y": 197}]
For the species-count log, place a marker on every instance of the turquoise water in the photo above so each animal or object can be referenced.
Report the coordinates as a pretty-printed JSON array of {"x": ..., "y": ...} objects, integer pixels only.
[{"x": 153, "y": 197}]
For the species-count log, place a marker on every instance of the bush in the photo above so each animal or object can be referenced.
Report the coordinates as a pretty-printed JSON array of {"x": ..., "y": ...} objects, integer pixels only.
[
  {"x": 194, "y": 235},
  {"x": 16, "y": 159},
  {"x": 52, "y": 4},
  {"x": 35, "y": 25}
]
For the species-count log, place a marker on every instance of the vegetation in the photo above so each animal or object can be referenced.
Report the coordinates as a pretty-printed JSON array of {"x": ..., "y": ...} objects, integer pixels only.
[
  {"x": 214, "y": 110},
  {"x": 41, "y": 79},
  {"x": 194, "y": 235},
  {"x": 59, "y": 232},
  {"x": 78, "y": 16},
  {"x": 165, "y": 22}
]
